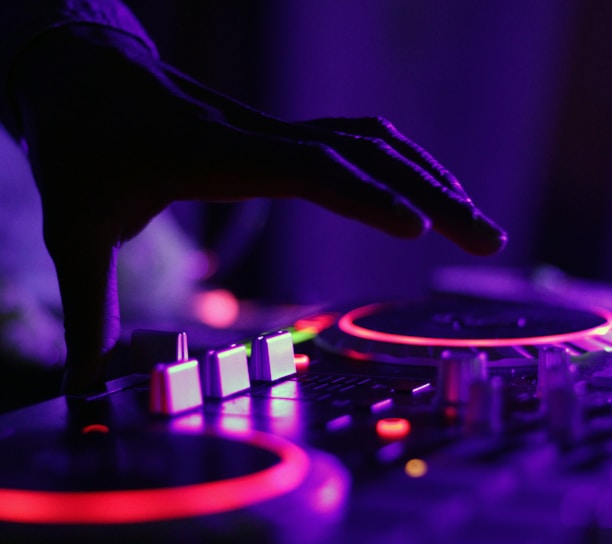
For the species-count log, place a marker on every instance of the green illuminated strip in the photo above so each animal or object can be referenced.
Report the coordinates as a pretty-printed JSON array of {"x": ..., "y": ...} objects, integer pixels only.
[
  {"x": 302, "y": 336},
  {"x": 297, "y": 337}
]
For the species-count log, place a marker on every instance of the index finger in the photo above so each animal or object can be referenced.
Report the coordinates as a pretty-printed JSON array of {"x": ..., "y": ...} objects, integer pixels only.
[{"x": 452, "y": 214}]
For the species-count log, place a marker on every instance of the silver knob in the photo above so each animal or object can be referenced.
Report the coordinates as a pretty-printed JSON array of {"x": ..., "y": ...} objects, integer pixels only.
[
  {"x": 456, "y": 372},
  {"x": 558, "y": 397}
]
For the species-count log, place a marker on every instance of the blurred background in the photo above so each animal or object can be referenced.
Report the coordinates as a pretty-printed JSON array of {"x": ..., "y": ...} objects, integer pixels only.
[{"x": 512, "y": 96}]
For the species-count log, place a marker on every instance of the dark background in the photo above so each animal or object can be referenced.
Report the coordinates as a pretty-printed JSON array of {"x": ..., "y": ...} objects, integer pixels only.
[{"x": 512, "y": 96}]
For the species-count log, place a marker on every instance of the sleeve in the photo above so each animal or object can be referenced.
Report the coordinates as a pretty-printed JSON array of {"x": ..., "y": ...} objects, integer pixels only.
[{"x": 23, "y": 21}]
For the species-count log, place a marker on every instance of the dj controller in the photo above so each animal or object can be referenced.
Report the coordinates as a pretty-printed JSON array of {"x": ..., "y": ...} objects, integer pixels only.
[{"x": 451, "y": 419}]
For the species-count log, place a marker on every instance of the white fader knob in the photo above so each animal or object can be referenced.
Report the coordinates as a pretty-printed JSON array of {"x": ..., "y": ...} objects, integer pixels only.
[
  {"x": 225, "y": 372},
  {"x": 175, "y": 388},
  {"x": 272, "y": 357}
]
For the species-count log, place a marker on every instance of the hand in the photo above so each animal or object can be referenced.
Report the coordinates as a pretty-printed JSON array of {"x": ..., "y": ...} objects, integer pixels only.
[{"x": 114, "y": 136}]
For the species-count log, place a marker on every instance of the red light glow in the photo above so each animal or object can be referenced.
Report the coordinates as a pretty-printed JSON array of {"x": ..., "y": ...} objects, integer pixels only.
[
  {"x": 147, "y": 505},
  {"x": 95, "y": 428},
  {"x": 301, "y": 361},
  {"x": 316, "y": 323},
  {"x": 347, "y": 324},
  {"x": 393, "y": 428},
  {"x": 218, "y": 308}
]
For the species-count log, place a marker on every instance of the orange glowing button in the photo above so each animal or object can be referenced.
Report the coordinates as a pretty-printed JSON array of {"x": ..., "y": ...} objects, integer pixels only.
[
  {"x": 393, "y": 428},
  {"x": 416, "y": 468}
]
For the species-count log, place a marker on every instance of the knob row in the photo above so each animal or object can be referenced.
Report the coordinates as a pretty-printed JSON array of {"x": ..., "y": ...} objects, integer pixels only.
[
  {"x": 464, "y": 391},
  {"x": 180, "y": 383}
]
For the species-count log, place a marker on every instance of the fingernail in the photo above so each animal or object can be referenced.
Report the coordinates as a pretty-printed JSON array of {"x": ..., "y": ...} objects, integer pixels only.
[
  {"x": 495, "y": 238},
  {"x": 414, "y": 222}
]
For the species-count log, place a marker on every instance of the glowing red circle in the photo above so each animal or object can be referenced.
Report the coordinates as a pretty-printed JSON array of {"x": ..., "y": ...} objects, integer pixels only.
[
  {"x": 95, "y": 428},
  {"x": 347, "y": 324},
  {"x": 146, "y": 505}
]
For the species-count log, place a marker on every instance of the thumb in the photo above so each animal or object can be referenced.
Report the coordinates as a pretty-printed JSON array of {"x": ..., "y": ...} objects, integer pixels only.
[{"x": 86, "y": 264}]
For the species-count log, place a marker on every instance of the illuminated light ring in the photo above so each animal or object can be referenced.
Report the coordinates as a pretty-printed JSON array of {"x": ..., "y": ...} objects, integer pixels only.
[
  {"x": 95, "y": 428},
  {"x": 347, "y": 324},
  {"x": 160, "y": 504}
]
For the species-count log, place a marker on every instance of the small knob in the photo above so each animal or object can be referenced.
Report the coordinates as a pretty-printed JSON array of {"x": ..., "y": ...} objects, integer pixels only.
[
  {"x": 553, "y": 369},
  {"x": 272, "y": 357},
  {"x": 175, "y": 387},
  {"x": 483, "y": 410},
  {"x": 225, "y": 372},
  {"x": 456, "y": 372},
  {"x": 558, "y": 396},
  {"x": 148, "y": 348}
]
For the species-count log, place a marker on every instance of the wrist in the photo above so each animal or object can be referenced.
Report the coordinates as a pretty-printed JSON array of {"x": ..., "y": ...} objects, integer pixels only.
[
  {"x": 72, "y": 48},
  {"x": 63, "y": 60}
]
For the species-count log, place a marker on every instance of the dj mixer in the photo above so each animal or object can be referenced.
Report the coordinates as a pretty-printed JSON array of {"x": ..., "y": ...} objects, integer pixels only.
[{"x": 450, "y": 419}]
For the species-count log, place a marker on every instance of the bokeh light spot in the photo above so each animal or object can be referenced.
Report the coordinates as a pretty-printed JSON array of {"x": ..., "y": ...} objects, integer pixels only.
[
  {"x": 218, "y": 308},
  {"x": 416, "y": 468}
]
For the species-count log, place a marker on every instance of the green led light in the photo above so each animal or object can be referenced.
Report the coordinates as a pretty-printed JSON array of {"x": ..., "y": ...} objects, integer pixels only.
[{"x": 297, "y": 336}]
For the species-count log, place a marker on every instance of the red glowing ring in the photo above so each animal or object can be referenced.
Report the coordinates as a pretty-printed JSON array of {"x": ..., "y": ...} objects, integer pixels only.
[
  {"x": 146, "y": 505},
  {"x": 347, "y": 324},
  {"x": 95, "y": 428}
]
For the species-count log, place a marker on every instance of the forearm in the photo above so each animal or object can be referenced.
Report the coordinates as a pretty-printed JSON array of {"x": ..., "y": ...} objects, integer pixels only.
[{"x": 23, "y": 22}]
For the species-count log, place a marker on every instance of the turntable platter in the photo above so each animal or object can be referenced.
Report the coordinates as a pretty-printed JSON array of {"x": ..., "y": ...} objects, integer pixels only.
[{"x": 417, "y": 332}]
